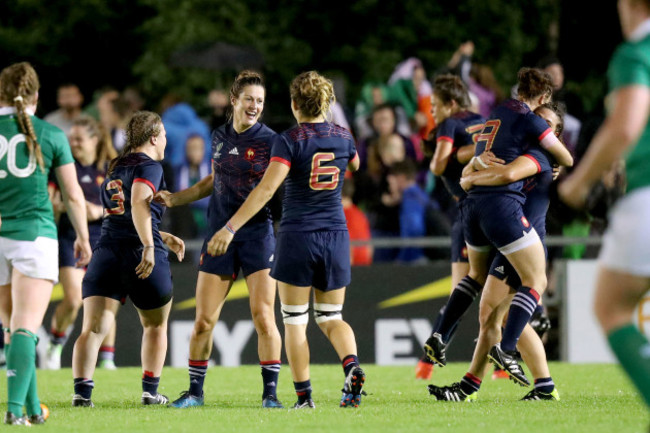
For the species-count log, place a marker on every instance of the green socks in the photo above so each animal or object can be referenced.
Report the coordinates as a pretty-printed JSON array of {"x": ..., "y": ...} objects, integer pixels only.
[
  {"x": 633, "y": 352},
  {"x": 21, "y": 372}
]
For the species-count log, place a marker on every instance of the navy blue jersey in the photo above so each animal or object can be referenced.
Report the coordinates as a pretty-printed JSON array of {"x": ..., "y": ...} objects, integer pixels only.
[
  {"x": 460, "y": 129},
  {"x": 239, "y": 162},
  {"x": 536, "y": 189},
  {"x": 510, "y": 131},
  {"x": 318, "y": 155},
  {"x": 90, "y": 179},
  {"x": 117, "y": 226}
]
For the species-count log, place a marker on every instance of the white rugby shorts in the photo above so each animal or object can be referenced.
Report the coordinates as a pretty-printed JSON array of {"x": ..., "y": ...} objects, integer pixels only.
[{"x": 36, "y": 259}]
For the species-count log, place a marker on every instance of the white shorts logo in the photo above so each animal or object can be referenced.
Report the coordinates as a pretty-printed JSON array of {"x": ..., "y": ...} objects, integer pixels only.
[
  {"x": 272, "y": 257},
  {"x": 499, "y": 269}
]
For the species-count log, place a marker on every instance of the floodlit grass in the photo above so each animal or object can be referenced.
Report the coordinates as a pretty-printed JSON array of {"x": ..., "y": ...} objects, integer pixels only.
[{"x": 595, "y": 398}]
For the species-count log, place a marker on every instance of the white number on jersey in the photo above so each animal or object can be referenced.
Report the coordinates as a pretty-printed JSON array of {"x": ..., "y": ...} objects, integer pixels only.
[{"x": 8, "y": 148}]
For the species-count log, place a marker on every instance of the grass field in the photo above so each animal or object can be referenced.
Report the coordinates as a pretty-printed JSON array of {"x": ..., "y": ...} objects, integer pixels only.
[{"x": 595, "y": 398}]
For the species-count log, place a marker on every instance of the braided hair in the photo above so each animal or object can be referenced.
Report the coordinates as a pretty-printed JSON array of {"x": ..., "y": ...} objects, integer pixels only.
[
  {"x": 142, "y": 126},
  {"x": 18, "y": 86}
]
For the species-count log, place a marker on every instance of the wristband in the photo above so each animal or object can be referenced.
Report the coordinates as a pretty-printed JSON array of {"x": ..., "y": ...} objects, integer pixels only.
[
  {"x": 148, "y": 246},
  {"x": 480, "y": 162},
  {"x": 230, "y": 228}
]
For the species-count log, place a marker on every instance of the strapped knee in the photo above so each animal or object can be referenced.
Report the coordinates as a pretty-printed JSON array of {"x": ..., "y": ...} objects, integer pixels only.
[
  {"x": 327, "y": 312},
  {"x": 27, "y": 333},
  {"x": 295, "y": 314}
]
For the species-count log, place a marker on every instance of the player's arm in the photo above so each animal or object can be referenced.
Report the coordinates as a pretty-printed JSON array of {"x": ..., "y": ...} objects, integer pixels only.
[
  {"x": 273, "y": 178},
  {"x": 465, "y": 153},
  {"x": 354, "y": 163},
  {"x": 621, "y": 129},
  {"x": 520, "y": 168},
  {"x": 555, "y": 147},
  {"x": 444, "y": 147},
  {"x": 141, "y": 196},
  {"x": 75, "y": 204},
  {"x": 199, "y": 190}
]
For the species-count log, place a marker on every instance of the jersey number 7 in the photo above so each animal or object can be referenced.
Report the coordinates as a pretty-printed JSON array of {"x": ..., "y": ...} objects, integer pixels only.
[{"x": 489, "y": 133}]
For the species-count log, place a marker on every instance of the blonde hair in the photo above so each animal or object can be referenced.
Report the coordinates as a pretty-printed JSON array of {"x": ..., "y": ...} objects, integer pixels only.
[
  {"x": 312, "y": 93},
  {"x": 105, "y": 150},
  {"x": 142, "y": 126},
  {"x": 18, "y": 87}
]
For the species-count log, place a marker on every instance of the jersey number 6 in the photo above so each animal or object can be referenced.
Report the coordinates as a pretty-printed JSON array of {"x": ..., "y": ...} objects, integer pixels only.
[
  {"x": 118, "y": 197},
  {"x": 317, "y": 170}
]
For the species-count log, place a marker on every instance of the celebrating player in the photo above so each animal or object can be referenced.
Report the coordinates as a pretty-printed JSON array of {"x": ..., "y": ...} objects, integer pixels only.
[
  {"x": 313, "y": 243},
  {"x": 493, "y": 215},
  {"x": 129, "y": 260},
  {"x": 240, "y": 154},
  {"x": 29, "y": 148},
  {"x": 92, "y": 149},
  {"x": 624, "y": 275},
  {"x": 536, "y": 167},
  {"x": 454, "y": 147}
]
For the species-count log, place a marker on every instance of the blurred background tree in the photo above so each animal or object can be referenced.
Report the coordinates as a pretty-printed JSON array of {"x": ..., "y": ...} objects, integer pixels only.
[{"x": 129, "y": 42}]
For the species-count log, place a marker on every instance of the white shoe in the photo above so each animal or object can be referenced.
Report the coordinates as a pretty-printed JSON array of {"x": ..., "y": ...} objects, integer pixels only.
[
  {"x": 53, "y": 357},
  {"x": 41, "y": 347},
  {"x": 107, "y": 364}
]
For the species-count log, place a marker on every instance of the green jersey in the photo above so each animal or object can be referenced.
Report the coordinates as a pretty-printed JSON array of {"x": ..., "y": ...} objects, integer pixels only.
[
  {"x": 630, "y": 66},
  {"x": 25, "y": 206}
]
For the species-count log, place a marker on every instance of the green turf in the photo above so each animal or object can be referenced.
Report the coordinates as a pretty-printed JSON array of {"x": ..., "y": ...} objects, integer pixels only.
[{"x": 595, "y": 398}]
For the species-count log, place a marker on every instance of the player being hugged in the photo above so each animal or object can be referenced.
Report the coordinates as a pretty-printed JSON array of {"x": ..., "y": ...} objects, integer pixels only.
[
  {"x": 241, "y": 150},
  {"x": 493, "y": 215},
  {"x": 29, "y": 149},
  {"x": 313, "y": 244},
  {"x": 92, "y": 149},
  {"x": 130, "y": 259}
]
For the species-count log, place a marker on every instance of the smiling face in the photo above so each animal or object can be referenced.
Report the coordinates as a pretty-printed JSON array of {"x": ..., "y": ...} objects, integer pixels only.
[
  {"x": 247, "y": 107},
  {"x": 82, "y": 144}
]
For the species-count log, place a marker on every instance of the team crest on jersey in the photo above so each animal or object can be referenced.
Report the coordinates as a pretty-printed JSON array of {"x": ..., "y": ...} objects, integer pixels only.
[
  {"x": 250, "y": 154},
  {"x": 100, "y": 180},
  {"x": 217, "y": 154},
  {"x": 525, "y": 222}
]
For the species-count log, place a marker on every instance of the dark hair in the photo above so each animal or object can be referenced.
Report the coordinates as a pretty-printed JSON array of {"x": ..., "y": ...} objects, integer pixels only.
[
  {"x": 312, "y": 93},
  {"x": 18, "y": 87},
  {"x": 559, "y": 109},
  {"x": 405, "y": 167},
  {"x": 142, "y": 126},
  {"x": 450, "y": 88},
  {"x": 534, "y": 82},
  {"x": 105, "y": 150},
  {"x": 381, "y": 107},
  {"x": 244, "y": 79}
]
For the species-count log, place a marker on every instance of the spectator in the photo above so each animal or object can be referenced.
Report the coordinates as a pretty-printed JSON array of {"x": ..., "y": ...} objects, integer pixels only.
[
  {"x": 358, "y": 226},
  {"x": 69, "y": 99},
  {"x": 180, "y": 122},
  {"x": 114, "y": 114},
  {"x": 218, "y": 103},
  {"x": 372, "y": 96}
]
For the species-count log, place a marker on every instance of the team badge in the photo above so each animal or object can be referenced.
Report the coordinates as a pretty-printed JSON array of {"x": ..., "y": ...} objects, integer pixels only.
[
  {"x": 100, "y": 180},
  {"x": 250, "y": 154},
  {"x": 525, "y": 222},
  {"x": 217, "y": 154}
]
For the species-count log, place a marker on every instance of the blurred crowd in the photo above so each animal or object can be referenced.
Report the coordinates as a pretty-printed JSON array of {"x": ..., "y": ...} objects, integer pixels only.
[{"x": 394, "y": 194}]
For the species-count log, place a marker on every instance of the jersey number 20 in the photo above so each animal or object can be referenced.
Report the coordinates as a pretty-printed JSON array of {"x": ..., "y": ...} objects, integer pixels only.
[
  {"x": 116, "y": 184},
  {"x": 318, "y": 170},
  {"x": 9, "y": 148}
]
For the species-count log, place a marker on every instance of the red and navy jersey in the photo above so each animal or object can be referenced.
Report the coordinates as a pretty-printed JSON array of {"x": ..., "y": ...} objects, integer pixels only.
[
  {"x": 239, "y": 162},
  {"x": 536, "y": 189},
  {"x": 117, "y": 226},
  {"x": 90, "y": 179},
  {"x": 318, "y": 155},
  {"x": 511, "y": 131},
  {"x": 459, "y": 129}
]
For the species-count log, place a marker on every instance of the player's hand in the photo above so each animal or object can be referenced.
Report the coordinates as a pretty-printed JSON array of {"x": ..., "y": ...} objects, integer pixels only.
[
  {"x": 486, "y": 159},
  {"x": 466, "y": 183},
  {"x": 573, "y": 192},
  {"x": 175, "y": 244},
  {"x": 219, "y": 242},
  {"x": 94, "y": 212},
  {"x": 145, "y": 268},
  {"x": 556, "y": 171},
  {"x": 164, "y": 197},
  {"x": 82, "y": 252}
]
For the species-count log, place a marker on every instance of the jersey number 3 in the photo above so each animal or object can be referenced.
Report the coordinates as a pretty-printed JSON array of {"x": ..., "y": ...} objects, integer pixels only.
[
  {"x": 118, "y": 197},
  {"x": 318, "y": 170}
]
